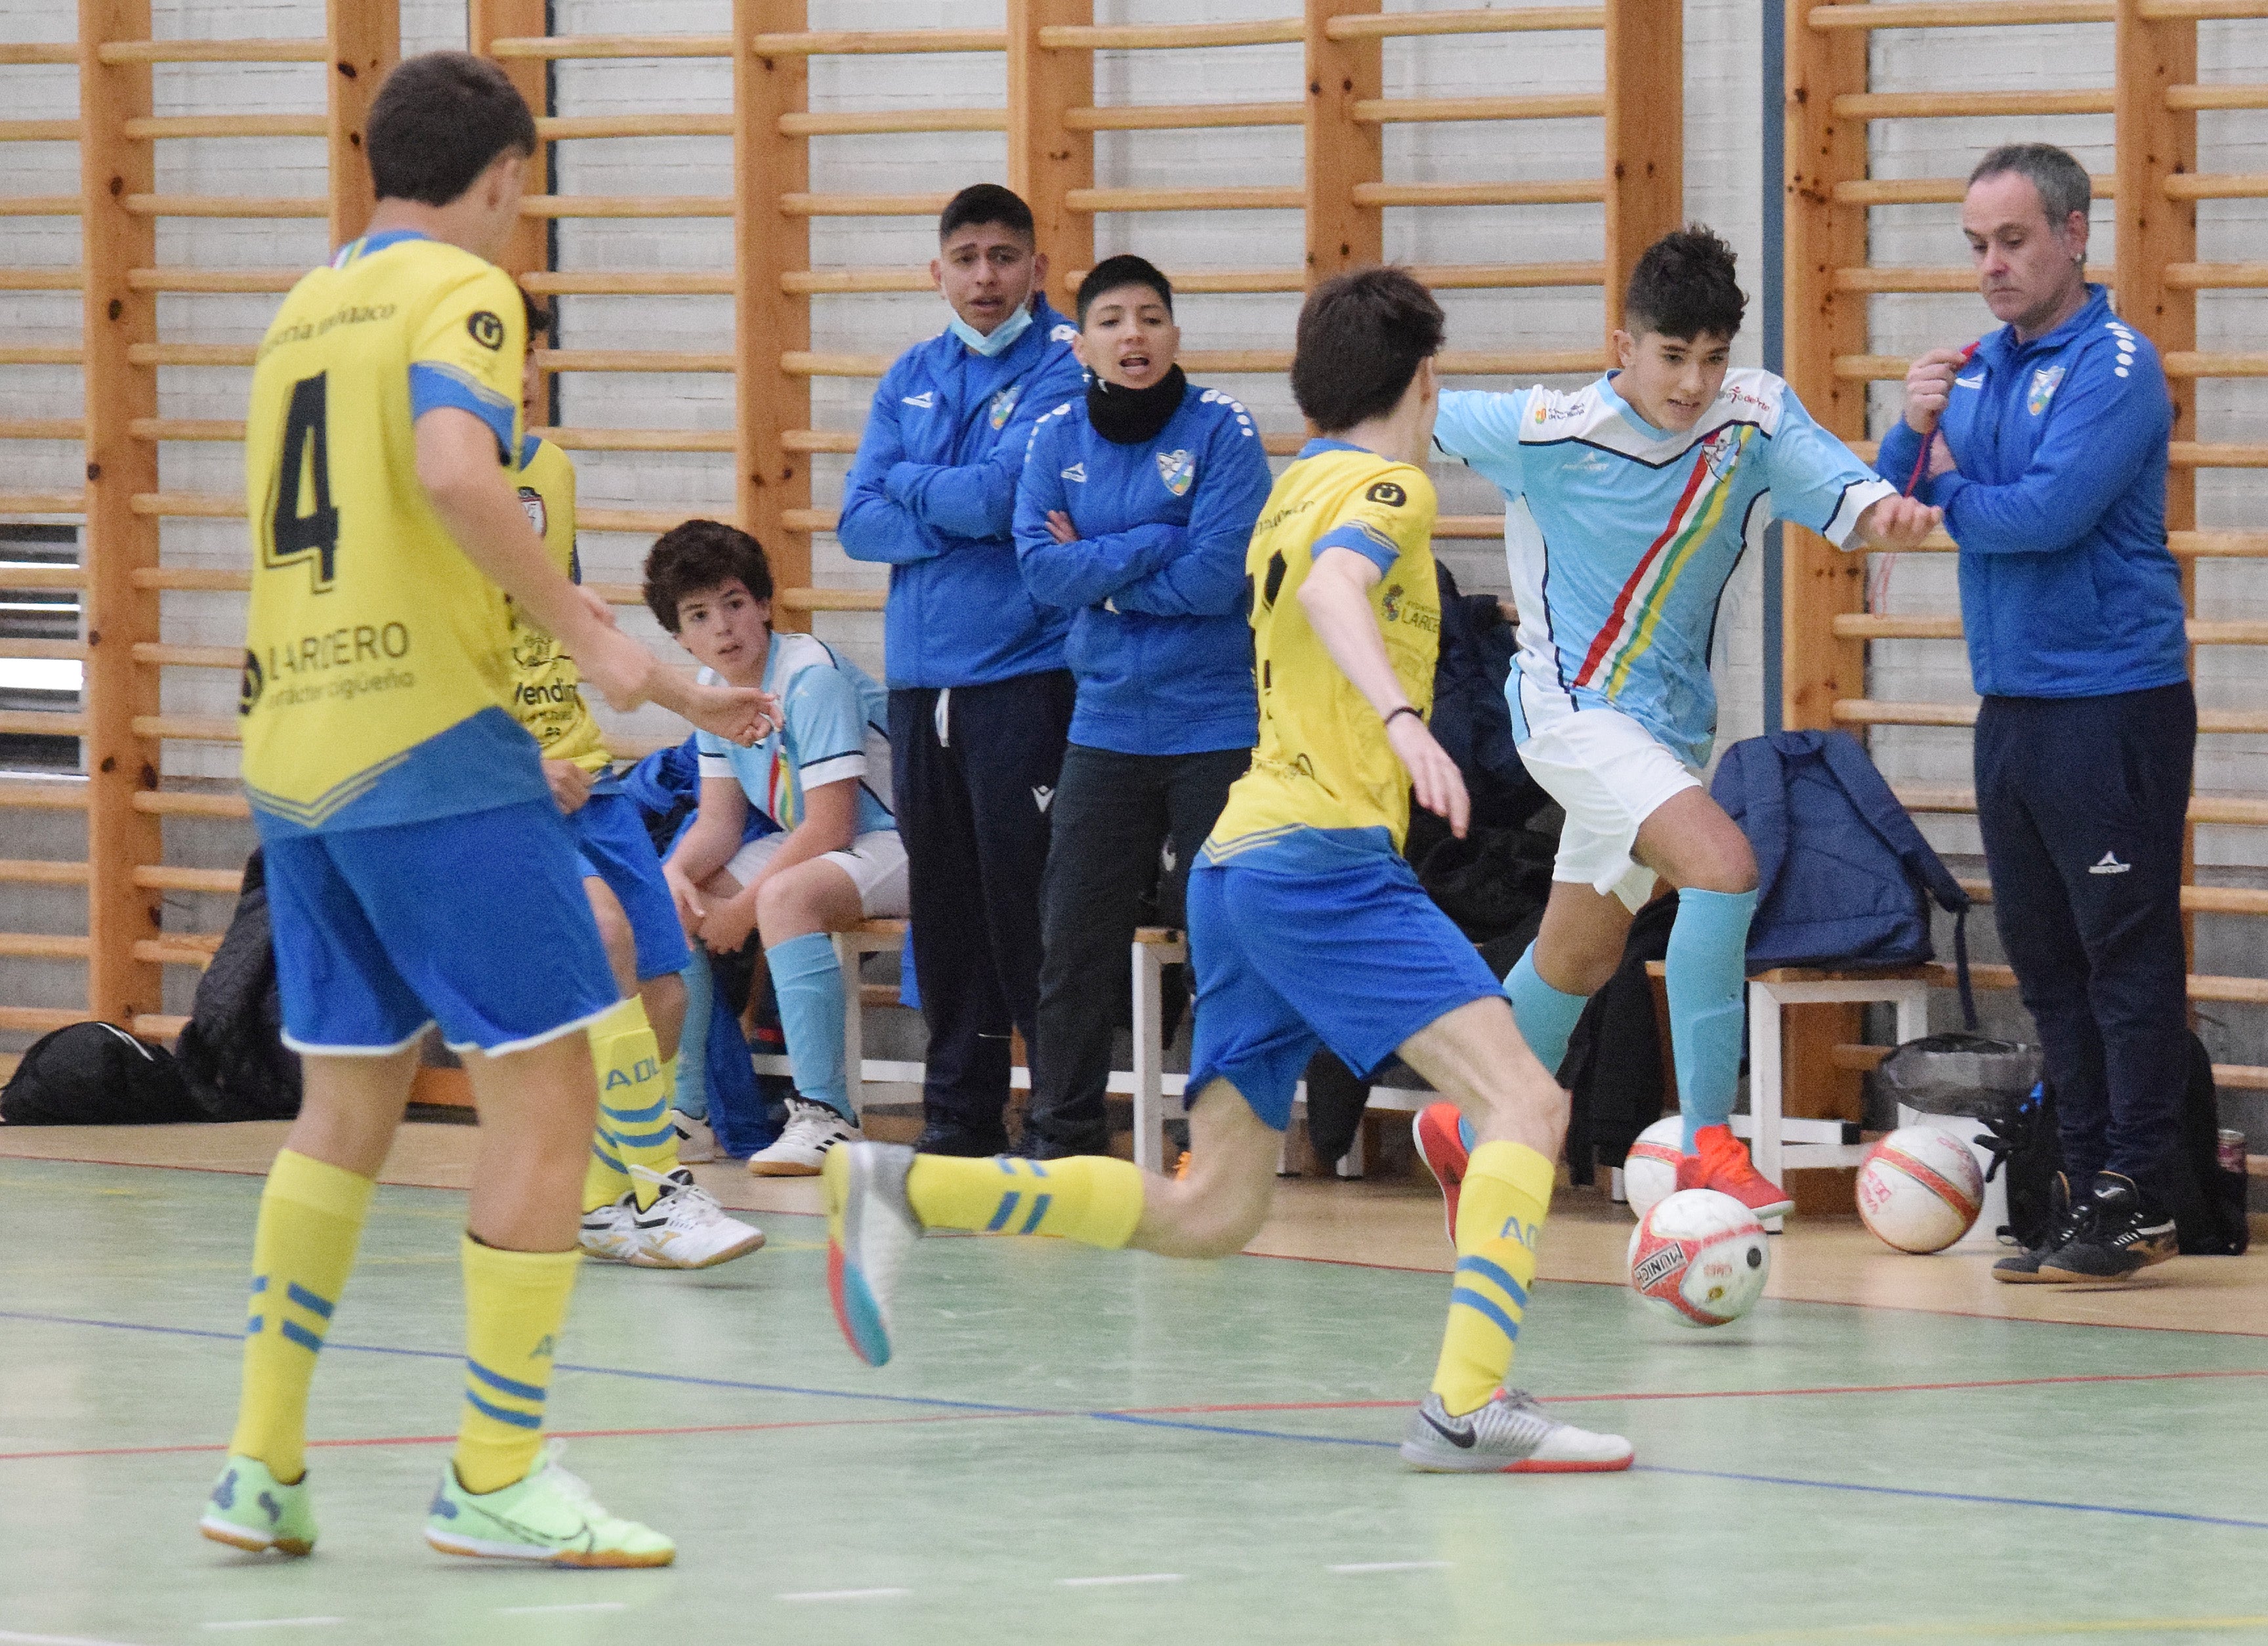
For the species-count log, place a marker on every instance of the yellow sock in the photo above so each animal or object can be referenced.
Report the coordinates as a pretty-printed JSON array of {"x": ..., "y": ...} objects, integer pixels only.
[
  {"x": 604, "y": 1178},
  {"x": 1091, "y": 1198},
  {"x": 515, "y": 1303},
  {"x": 1508, "y": 1190},
  {"x": 633, "y": 1102},
  {"x": 311, "y": 1218}
]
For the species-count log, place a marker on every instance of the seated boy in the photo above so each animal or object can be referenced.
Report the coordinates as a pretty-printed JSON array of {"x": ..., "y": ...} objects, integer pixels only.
[
  {"x": 639, "y": 1205},
  {"x": 823, "y": 777},
  {"x": 1629, "y": 503}
]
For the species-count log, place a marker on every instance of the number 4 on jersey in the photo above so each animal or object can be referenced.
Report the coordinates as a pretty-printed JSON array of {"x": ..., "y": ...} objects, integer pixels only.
[{"x": 304, "y": 472}]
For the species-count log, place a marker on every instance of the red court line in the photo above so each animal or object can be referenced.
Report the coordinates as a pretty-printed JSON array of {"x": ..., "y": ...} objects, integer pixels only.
[
  {"x": 562, "y": 1434},
  {"x": 1712, "y": 1394},
  {"x": 1163, "y": 1411}
]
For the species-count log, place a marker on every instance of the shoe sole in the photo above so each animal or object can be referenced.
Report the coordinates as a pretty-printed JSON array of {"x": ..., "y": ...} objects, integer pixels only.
[
  {"x": 473, "y": 1548},
  {"x": 2018, "y": 1277},
  {"x": 781, "y": 1168},
  {"x": 1426, "y": 1463},
  {"x": 1450, "y": 1180},
  {"x": 236, "y": 1538},
  {"x": 856, "y": 1311},
  {"x": 740, "y": 1250},
  {"x": 2078, "y": 1277}
]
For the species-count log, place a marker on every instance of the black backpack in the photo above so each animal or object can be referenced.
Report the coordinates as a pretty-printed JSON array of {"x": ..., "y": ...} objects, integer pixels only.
[
  {"x": 96, "y": 1074},
  {"x": 2209, "y": 1210},
  {"x": 232, "y": 1051}
]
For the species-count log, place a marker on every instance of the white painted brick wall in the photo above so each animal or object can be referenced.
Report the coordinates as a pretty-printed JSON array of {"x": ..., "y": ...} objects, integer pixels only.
[{"x": 1724, "y": 182}]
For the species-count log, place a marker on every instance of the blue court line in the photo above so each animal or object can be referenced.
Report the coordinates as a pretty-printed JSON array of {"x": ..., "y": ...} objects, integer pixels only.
[
  {"x": 1955, "y": 1497},
  {"x": 1142, "y": 1422}
]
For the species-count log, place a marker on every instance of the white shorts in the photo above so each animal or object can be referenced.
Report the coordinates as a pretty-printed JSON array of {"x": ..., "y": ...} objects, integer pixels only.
[
  {"x": 875, "y": 862},
  {"x": 1610, "y": 775}
]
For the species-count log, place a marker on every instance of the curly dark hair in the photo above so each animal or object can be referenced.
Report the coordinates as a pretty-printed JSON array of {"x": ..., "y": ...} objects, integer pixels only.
[
  {"x": 699, "y": 555},
  {"x": 1684, "y": 286}
]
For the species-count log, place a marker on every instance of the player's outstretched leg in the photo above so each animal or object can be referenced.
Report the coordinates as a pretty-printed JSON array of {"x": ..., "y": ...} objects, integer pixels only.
[
  {"x": 1471, "y": 1423},
  {"x": 880, "y": 1198}
]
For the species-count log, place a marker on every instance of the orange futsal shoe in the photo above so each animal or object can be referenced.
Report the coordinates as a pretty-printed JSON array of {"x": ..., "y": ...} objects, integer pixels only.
[
  {"x": 1442, "y": 1147},
  {"x": 1722, "y": 1163}
]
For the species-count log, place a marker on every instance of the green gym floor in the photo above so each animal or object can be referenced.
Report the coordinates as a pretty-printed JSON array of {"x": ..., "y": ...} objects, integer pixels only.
[{"x": 1079, "y": 1447}]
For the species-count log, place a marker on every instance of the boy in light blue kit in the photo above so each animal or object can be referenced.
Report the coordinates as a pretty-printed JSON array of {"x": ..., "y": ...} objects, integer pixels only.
[
  {"x": 823, "y": 777},
  {"x": 1629, "y": 504}
]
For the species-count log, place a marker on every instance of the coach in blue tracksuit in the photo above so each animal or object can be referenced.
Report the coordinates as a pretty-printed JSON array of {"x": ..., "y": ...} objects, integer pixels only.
[
  {"x": 2049, "y": 458},
  {"x": 980, "y": 700},
  {"x": 1135, "y": 506}
]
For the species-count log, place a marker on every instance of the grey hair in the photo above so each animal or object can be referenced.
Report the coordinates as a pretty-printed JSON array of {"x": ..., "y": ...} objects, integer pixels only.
[{"x": 2061, "y": 181}]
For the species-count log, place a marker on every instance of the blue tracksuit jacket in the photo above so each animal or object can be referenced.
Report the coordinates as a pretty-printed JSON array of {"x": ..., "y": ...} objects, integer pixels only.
[
  {"x": 2059, "y": 507},
  {"x": 933, "y": 492},
  {"x": 1155, "y": 582}
]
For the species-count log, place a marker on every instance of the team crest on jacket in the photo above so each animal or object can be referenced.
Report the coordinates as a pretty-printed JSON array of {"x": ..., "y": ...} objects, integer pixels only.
[
  {"x": 538, "y": 516},
  {"x": 1004, "y": 402},
  {"x": 1178, "y": 470},
  {"x": 2043, "y": 388}
]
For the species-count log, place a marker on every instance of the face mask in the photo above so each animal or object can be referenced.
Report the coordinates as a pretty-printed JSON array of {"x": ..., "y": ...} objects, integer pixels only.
[{"x": 1004, "y": 334}]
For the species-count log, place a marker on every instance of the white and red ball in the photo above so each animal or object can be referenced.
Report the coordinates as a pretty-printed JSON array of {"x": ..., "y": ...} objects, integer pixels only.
[
  {"x": 1699, "y": 1258},
  {"x": 1650, "y": 1170},
  {"x": 1920, "y": 1189}
]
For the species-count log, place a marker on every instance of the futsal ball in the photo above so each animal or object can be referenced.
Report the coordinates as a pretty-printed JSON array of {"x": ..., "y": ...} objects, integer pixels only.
[
  {"x": 1699, "y": 1258},
  {"x": 1650, "y": 1172},
  {"x": 1920, "y": 1189}
]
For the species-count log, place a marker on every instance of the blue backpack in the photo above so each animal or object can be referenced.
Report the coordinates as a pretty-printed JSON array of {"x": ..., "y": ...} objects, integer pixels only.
[{"x": 1843, "y": 877}]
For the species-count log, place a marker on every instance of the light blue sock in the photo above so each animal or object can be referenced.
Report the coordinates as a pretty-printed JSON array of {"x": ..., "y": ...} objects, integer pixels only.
[
  {"x": 692, "y": 1097},
  {"x": 1707, "y": 968},
  {"x": 809, "y": 985},
  {"x": 1545, "y": 1016}
]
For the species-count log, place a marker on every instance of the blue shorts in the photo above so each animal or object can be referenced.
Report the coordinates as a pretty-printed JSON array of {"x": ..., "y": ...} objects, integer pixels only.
[
  {"x": 1316, "y": 939},
  {"x": 478, "y": 922},
  {"x": 610, "y": 834}
]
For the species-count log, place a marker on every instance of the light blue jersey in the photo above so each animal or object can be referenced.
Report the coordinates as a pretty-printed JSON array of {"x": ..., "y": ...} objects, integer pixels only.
[
  {"x": 837, "y": 727},
  {"x": 1620, "y": 537}
]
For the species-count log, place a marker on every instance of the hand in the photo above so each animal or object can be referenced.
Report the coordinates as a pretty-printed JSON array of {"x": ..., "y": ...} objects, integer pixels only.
[
  {"x": 1060, "y": 529},
  {"x": 738, "y": 714},
  {"x": 726, "y": 927},
  {"x": 597, "y": 604},
  {"x": 1941, "y": 460},
  {"x": 570, "y": 785},
  {"x": 691, "y": 910},
  {"x": 1895, "y": 523},
  {"x": 1435, "y": 783},
  {"x": 1510, "y": 611},
  {"x": 1929, "y": 383}
]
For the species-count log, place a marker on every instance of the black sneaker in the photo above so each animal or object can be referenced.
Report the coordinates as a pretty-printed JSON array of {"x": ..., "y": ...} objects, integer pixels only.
[
  {"x": 2067, "y": 1221},
  {"x": 2122, "y": 1235}
]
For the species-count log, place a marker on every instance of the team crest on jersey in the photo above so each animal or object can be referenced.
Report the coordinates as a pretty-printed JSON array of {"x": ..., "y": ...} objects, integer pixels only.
[
  {"x": 2044, "y": 387},
  {"x": 1722, "y": 450},
  {"x": 1004, "y": 402},
  {"x": 1386, "y": 492},
  {"x": 487, "y": 330},
  {"x": 1063, "y": 333},
  {"x": 538, "y": 516},
  {"x": 1178, "y": 470}
]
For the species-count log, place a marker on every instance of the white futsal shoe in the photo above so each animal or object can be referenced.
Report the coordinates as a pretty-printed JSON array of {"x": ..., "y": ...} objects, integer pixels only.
[
  {"x": 609, "y": 1232},
  {"x": 1508, "y": 1436},
  {"x": 870, "y": 1225},
  {"x": 801, "y": 1149},
  {"x": 696, "y": 1140},
  {"x": 685, "y": 1228}
]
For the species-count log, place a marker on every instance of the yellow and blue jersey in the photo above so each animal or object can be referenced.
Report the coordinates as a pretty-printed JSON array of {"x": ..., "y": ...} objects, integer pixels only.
[
  {"x": 1322, "y": 760},
  {"x": 377, "y": 659},
  {"x": 1621, "y": 537},
  {"x": 547, "y": 691}
]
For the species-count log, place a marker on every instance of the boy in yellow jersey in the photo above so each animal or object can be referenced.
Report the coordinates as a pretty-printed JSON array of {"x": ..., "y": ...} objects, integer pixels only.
[
  {"x": 1306, "y": 925},
  {"x": 639, "y": 1205},
  {"x": 415, "y": 857}
]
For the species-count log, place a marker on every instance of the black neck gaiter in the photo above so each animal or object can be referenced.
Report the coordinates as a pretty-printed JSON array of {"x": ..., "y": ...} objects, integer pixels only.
[{"x": 1134, "y": 416}]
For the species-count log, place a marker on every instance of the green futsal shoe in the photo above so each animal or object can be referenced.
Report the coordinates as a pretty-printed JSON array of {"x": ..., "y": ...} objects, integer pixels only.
[
  {"x": 548, "y": 1515},
  {"x": 251, "y": 1510}
]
